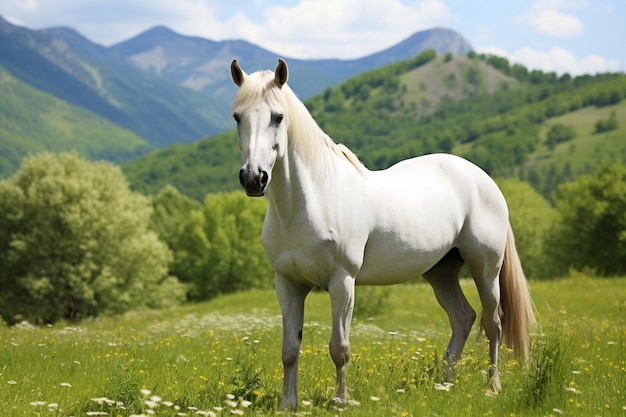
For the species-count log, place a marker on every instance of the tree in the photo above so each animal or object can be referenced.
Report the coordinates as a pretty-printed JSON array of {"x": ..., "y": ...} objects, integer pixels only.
[
  {"x": 220, "y": 247},
  {"x": 75, "y": 242},
  {"x": 606, "y": 125},
  {"x": 171, "y": 212},
  {"x": 591, "y": 231},
  {"x": 531, "y": 217},
  {"x": 559, "y": 133}
]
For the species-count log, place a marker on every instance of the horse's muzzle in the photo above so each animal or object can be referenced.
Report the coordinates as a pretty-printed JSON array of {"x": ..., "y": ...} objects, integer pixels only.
[{"x": 254, "y": 184}]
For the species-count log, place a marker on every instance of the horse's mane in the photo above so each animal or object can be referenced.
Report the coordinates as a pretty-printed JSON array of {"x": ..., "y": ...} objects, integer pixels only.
[{"x": 305, "y": 135}]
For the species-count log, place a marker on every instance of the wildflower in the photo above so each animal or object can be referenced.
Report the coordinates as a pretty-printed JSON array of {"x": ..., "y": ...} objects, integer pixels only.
[
  {"x": 151, "y": 404},
  {"x": 38, "y": 403},
  {"x": 53, "y": 405},
  {"x": 557, "y": 410},
  {"x": 206, "y": 413},
  {"x": 66, "y": 384},
  {"x": 96, "y": 413},
  {"x": 103, "y": 400},
  {"x": 374, "y": 398},
  {"x": 572, "y": 389},
  {"x": 145, "y": 392},
  {"x": 231, "y": 403},
  {"x": 443, "y": 387},
  {"x": 245, "y": 404},
  {"x": 237, "y": 412},
  {"x": 11, "y": 382}
]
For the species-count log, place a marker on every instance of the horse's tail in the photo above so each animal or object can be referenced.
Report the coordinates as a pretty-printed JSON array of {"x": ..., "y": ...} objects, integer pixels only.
[{"x": 515, "y": 302}]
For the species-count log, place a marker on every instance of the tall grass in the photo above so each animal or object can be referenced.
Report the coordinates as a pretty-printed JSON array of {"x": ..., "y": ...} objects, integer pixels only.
[{"x": 223, "y": 358}]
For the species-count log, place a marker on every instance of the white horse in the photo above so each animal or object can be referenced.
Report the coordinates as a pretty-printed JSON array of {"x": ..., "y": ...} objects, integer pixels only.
[{"x": 332, "y": 223}]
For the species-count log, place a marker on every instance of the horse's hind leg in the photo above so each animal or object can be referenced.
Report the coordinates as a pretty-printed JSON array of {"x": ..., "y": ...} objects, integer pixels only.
[
  {"x": 444, "y": 278},
  {"x": 485, "y": 272}
]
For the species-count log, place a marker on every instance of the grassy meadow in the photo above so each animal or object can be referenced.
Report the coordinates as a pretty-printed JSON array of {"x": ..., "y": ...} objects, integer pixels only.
[{"x": 223, "y": 358}]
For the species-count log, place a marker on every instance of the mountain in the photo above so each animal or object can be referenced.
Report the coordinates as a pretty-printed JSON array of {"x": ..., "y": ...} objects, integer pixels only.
[
  {"x": 498, "y": 115},
  {"x": 203, "y": 65},
  {"x": 63, "y": 63},
  {"x": 161, "y": 87},
  {"x": 34, "y": 121}
]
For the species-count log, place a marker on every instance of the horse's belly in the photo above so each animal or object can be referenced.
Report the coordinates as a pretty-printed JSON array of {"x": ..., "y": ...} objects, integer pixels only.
[{"x": 393, "y": 260}]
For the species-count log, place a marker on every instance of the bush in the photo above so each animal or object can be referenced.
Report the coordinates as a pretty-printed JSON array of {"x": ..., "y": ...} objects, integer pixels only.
[
  {"x": 559, "y": 133},
  {"x": 219, "y": 248},
  {"x": 591, "y": 231},
  {"x": 606, "y": 125},
  {"x": 74, "y": 242}
]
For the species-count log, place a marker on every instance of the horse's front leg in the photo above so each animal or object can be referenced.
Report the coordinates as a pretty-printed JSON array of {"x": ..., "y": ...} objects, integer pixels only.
[
  {"x": 341, "y": 291},
  {"x": 291, "y": 299}
]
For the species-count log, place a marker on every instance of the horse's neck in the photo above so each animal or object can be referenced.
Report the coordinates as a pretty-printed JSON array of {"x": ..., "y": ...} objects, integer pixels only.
[{"x": 296, "y": 186}]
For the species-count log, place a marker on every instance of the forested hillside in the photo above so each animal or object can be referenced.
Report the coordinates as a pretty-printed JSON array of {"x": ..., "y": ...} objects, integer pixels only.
[
  {"x": 511, "y": 121},
  {"x": 33, "y": 121}
]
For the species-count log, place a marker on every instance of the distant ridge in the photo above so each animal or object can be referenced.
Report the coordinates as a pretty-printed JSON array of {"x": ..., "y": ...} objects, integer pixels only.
[
  {"x": 202, "y": 64},
  {"x": 164, "y": 87}
]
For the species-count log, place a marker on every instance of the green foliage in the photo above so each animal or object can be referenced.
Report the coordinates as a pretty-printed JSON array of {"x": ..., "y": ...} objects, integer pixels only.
[
  {"x": 207, "y": 166},
  {"x": 559, "y": 133},
  {"x": 171, "y": 212},
  {"x": 591, "y": 231},
  {"x": 370, "y": 301},
  {"x": 606, "y": 125},
  {"x": 531, "y": 217},
  {"x": 549, "y": 370},
  {"x": 74, "y": 243},
  {"x": 219, "y": 249}
]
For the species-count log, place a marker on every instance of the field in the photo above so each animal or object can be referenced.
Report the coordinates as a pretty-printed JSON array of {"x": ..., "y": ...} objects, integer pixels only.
[{"x": 223, "y": 358}]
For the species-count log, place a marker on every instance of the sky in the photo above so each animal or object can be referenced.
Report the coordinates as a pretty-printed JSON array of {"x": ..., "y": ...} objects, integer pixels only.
[{"x": 573, "y": 36}]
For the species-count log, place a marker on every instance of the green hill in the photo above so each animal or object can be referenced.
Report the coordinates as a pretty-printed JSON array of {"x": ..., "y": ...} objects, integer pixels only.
[
  {"x": 480, "y": 107},
  {"x": 32, "y": 121}
]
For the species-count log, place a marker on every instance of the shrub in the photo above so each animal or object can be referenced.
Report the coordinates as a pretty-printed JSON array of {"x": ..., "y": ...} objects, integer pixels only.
[
  {"x": 219, "y": 248},
  {"x": 74, "y": 242},
  {"x": 591, "y": 231}
]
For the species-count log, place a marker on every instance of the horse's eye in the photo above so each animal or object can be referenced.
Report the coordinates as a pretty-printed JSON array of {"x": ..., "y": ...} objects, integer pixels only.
[
  {"x": 236, "y": 117},
  {"x": 277, "y": 119}
]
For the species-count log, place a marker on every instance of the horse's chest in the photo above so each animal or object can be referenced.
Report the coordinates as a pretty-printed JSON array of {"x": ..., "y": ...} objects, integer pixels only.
[{"x": 303, "y": 255}]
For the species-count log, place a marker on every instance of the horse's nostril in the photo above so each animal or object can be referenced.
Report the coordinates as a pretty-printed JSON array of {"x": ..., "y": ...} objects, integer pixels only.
[
  {"x": 263, "y": 179},
  {"x": 241, "y": 179}
]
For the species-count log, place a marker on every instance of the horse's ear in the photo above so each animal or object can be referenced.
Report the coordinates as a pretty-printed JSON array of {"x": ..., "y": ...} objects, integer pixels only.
[
  {"x": 281, "y": 73},
  {"x": 237, "y": 73}
]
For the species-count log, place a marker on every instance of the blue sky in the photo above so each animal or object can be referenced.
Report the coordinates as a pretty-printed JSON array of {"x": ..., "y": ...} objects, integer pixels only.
[{"x": 575, "y": 36}]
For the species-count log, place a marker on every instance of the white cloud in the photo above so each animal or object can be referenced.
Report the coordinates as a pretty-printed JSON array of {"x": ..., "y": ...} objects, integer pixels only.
[
  {"x": 548, "y": 17},
  {"x": 556, "y": 59},
  {"x": 305, "y": 29},
  {"x": 346, "y": 29}
]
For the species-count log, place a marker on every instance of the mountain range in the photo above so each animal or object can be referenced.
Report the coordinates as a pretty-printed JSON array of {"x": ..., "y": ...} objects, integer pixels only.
[{"x": 154, "y": 90}]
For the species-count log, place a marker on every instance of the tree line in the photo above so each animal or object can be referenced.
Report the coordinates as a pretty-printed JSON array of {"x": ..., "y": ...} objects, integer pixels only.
[{"x": 77, "y": 242}]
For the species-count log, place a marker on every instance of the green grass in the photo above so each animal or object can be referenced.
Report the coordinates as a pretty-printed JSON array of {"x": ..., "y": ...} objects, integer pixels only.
[{"x": 199, "y": 355}]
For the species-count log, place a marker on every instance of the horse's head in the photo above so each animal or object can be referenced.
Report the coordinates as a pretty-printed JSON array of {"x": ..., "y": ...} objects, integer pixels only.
[{"x": 261, "y": 128}]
